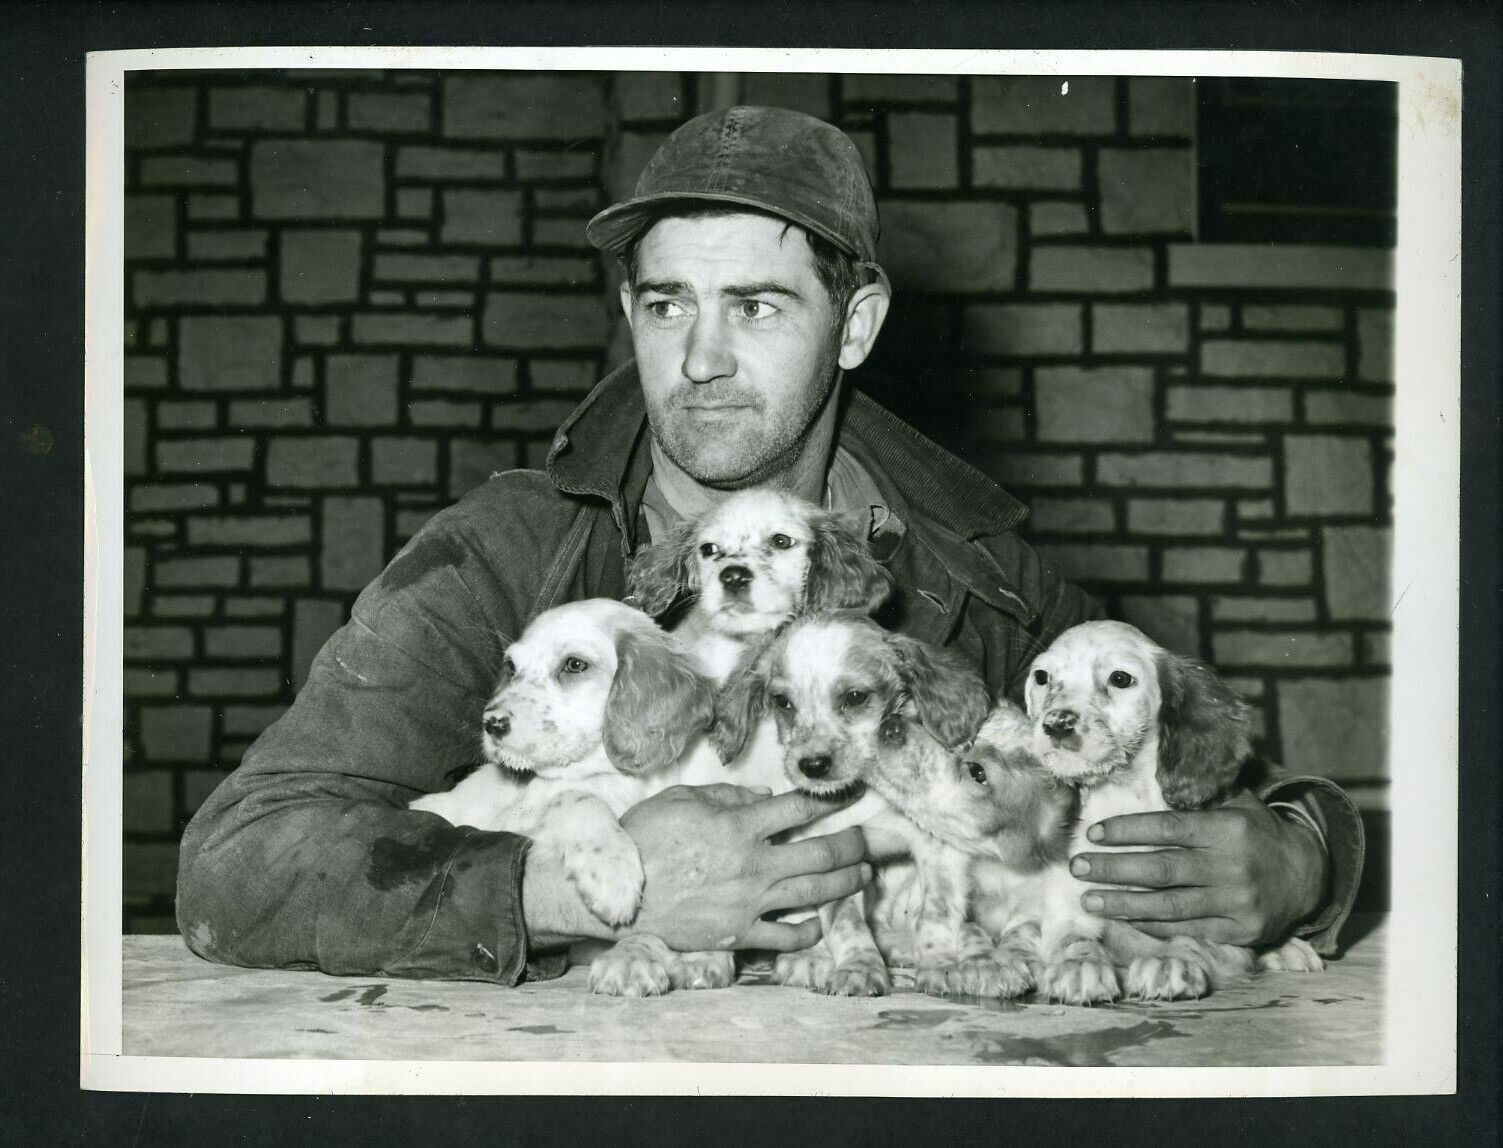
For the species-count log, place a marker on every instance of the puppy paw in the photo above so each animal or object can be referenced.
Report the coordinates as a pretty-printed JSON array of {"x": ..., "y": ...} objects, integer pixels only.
[
  {"x": 994, "y": 977},
  {"x": 1080, "y": 982},
  {"x": 937, "y": 978},
  {"x": 859, "y": 977},
  {"x": 1293, "y": 956},
  {"x": 809, "y": 969},
  {"x": 709, "y": 970},
  {"x": 1166, "y": 979},
  {"x": 609, "y": 878},
  {"x": 635, "y": 967}
]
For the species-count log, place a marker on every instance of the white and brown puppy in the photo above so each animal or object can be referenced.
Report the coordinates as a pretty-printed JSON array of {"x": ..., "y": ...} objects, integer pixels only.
[
  {"x": 832, "y": 684},
  {"x": 750, "y": 564},
  {"x": 1136, "y": 729},
  {"x": 596, "y": 709}
]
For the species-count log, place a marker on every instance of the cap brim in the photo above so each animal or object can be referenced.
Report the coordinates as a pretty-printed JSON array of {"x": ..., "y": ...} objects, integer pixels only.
[{"x": 614, "y": 228}]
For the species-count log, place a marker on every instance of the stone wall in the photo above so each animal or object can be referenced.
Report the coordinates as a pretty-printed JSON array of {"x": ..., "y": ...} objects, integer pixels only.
[{"x": 352, "y": 296}]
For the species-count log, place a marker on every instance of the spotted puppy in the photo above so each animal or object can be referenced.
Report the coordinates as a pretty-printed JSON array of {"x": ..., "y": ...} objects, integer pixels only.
[
  {"x": 747, "y": 566},
  {"x": 837, "y": 690},
  {"x": 1135, "y": 729}
]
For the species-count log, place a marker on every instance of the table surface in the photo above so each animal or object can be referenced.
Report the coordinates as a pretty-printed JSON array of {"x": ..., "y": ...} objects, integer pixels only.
[{"x": 175, "y": 1004}]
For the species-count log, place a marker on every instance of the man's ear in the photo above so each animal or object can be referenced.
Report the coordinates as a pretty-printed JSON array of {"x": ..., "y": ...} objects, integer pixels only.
[
  {"x": 656, "y": 704},
  {"x": 660, "y": 572},
  {"x": 1204, "y": 734},
  {"x": 864, "y": 315},
  {"x": 950, "y": 697},
  {"x": 739, "y": 705},
  {"x": 842, "y": 573}
]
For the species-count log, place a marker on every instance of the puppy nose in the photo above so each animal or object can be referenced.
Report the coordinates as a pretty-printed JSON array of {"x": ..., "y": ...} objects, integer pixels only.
[
  {"x": 497, "y": 725},
  {"x": 815, "y": 766},
  {"x": 735, "y": 577},
  {"x": 1060, "y": 723}
]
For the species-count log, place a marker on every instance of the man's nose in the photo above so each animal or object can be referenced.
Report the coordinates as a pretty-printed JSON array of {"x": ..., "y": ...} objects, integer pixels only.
[
  {"x": 1060, "y": 723},
  {"x": 706, "y": 356},
  {"x": 497, "y": 725},
  {"x": 735, "y": 578}
]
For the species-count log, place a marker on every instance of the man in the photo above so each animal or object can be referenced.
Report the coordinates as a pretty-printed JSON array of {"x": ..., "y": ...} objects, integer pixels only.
[{"x": 750, "y": 287}]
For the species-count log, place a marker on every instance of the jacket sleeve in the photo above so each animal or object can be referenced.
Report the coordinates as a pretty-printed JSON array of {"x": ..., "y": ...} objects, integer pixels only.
[{"x": 307, "y": 855}]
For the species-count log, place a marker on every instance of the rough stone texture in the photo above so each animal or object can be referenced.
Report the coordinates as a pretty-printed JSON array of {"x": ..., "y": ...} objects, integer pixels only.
[
  {"x": 1204, "y": 564},
  {"x": 1171, "y": 620},
  {"x": 360, "y": 390},
  {"x": 150, "y": 226},
  {"x": 1375, "y": 346},
  {"x": 1336, "y": 727},
  {"x": 1202, "y": 404},
  {"x": 1176, "y": 516},
  {"x": 805, "y": 92},
  {"x": 353, "y": 550},
  {"x": 1099, "y": 562},
  {"x": 314, "y": 622},
  {"x": 924, "y": 150},
  {"x": 1145, "y": 191},
  {"x": 1184, "y": 469},
  {"x": 649, "y": 95},
  {"x": 1101, "y": 404},
  {"x": 1027, "y": 105},
  {"x": 256, "y": 109},
  {"x": 1293, "y": 267},
  {"x": 1030, "y": 168},
  {"x": 388, "y": 112},
  {"x": 1355, "y": 563},
  {"x": 1290, "y": 317},
  {"x": 229, "y": 352},
  {"x": 464, "y": 373},
  {"x": 1248, "y": 358},
  {"x": 950, "y": 247},
  {"x": 312, "y": 462},
  {"x": 1091, "y": 270},
  {"x": 1051, "y": 219},
  {"x": 404, "y": 461},
  {"x": 523, "y": 321},
  {"x": 323, "y": 179},
  {"x": 159, "y": 117},
  {"x": 1020, "y": 329},
  {"x": 1140, "y": 328},
  {"x": 1071, "y": 516},
  {"x": 1325, "y": 474},
  {"x": 320, "y": 266},
  {"x": 1161, "y": 106},
  {"x": 898, "y": 89},
  {"x": 225, "y": 288},
  {"x": 509, "y": 106},
  {"x": 487, "y": 218}
]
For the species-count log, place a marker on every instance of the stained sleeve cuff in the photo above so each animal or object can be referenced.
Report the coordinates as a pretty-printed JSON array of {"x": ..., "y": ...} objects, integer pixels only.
[{"x": 1320, "y": 805}]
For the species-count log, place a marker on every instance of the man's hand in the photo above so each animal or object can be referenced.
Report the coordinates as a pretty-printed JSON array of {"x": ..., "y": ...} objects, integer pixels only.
[
  {"x": 1239, "y": 874},
  {"x": 712, "y": 873}
]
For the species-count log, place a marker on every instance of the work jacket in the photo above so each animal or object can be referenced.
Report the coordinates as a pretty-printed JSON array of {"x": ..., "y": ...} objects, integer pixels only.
[{"x": 307, "y": 855}]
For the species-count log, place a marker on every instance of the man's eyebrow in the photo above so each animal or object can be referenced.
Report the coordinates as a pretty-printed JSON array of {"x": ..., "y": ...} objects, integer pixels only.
[
  {"x": 660, "y": 287},
  {"x": 770, "y": 287}
]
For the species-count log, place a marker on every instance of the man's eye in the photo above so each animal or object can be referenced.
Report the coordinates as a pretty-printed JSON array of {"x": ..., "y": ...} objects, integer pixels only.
[
  {"x": 709, "y": 549},
  {"x": 575, "y": 665},
  {"x": 1041, "y": 677},
  {"x": 754, "y": 309},
  {"x": 781, "y": 541},
  {"x": 782, "y": 702},
  {"x": 1121, "y": 679},
  {"x": 663, "y": 309},
  {"x": 855, "y": 698},
  {"x": 977, "y": 772}
]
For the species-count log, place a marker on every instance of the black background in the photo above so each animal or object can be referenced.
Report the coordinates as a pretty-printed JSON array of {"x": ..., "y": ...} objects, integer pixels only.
[{"x": 42, "y": 147}]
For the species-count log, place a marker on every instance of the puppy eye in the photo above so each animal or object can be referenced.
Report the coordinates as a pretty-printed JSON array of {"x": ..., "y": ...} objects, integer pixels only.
[
  {"x": 1121, "y": 679},
  {"x": 709, "y": 549},
  {"x": 782, "y": 702},
  {"x": 978, "y": 773},
  {"x": 574, "y": 665},
  {"x": 854, "y": 698},
  {"x": 782, "y": 541},
  {"x": 1041, "y": 677}
]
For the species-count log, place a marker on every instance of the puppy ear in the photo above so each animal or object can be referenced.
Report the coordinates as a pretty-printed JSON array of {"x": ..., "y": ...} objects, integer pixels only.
[
  {"x": 663, "y": 570},
  {"x": 950, "y": 697},
  {"x": 842, "y": 573},
  {"x": 1204, "y": 735},
  {"x": 656, "y": 704},
  {"x": 739, "y": 705}
]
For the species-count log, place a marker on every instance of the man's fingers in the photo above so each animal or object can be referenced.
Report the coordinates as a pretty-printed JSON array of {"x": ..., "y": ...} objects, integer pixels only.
[
  {"x": 781, "y": 937},
  {"x": 1166, "y": 905},
  {"x": 723, "y": 793},
  {"x": 819, "y": 854},
  {"x": 1155, "y": 870},
  {"x": 811, "y": 889},
  {"x": 1165, "y": 828},
  {"x": 1219, "y": 929},
  {"x": 774, "y": 814}
]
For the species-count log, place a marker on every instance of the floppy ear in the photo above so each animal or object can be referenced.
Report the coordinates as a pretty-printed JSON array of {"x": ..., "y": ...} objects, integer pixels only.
[
  {"x": 1204, "y": 736},
  {"x": 739, "y": 705},
  {"x": 663, "y": 570},
  {"x": 842, "y": 573},
  {"x": 658, "y": 701},
  {"x": 950, "y": 697}
]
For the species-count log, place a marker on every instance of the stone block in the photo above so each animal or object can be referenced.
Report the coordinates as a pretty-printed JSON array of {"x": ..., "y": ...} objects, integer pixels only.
[
  {"x": 1185, "y": 469},
  {"x": 427, "y": 268},
  {"x": 1171, "y": 620},
  {"x": 312, "y": 462},
  {"x": 277, "y": 412},
  {"x": 157, "y": 643},
  {"x": 1044, "y": 105},
  {"x": 530, "y": 269},
  {"x": 414, "y": 203},
  {"x": 923, "y": 150},
  {"x": 314, "y": 623},
  {"x": 183, "y": 605},
  {"x": 243, "y": 642},
  {"x": 289, "y": 572},
  {"x": 1243, "y": 608},
  {"x": 240, "y": 682},
  {"x": 135, "y": 435},
  {"x": 213, "y": 207},
  {"x": 257, "y": 109},
  {"x": 1292, "y": 266},
  {"x": 802, "y": 91},
  {"x": 465, "y": 374},
  {"x": 439, "y": 164},
  {"x": 892, "y": 89},
  {"x": 1161, "y": 106},
  {"x": 1181, "y": 516},
  {"x": 250, "y": 721},
  {"x": 229, "y": 352},
  {"x": 1051, "y": 219},
  {"x": 444, "y": 413},
  {"x": 1304, "y": 649},
  {"x": 1290, "y": 317},
  {"x": 649, "y": 95},
  {"x": 1203, "y": 404},
  {"x": 1091, "y": 270},
  {"x": 159, "y": 117},
  {"x": 525, "y": 321},
  {"x": 1091, "y": 562},
  {"x": 146, "y": 803},
  {"x": 488, "y": 218},
  {"x": 220, "y": 287},
  {"x": 536, "y": 416},
  {"x": 316, "y": 330},
  {"x": 173, "y": 573},
  {"x": 1284, "y": 567},
  {"x": 150, "y": 227},
  {"x": 226, "y": 246},
  {"x": 1356, "y": 561},
  {"x": 388, "y": 112},
  {"x": 250, "y": 530},
  {"x": 1327, "y": 474},
  {"x": 148, "y": 682},
  {"x": 404, "y": 461},
  {"x": 206, "y": 455},
  {"x": 188, "y": 171},
  {"x": 1337, "y": 728},
  {"x": 1140, "y": 328},
  {"x": 1026, "y": 168},
  {"x": 1094, "y": 404},
  {"x": 1265, "y": 359},
  {"x": 1071, "y": 516},
  {"x": 1204, "y": 564},
  {"x": 354, "y": 543},
  {"x": 1022, "y": 329},
  {"x": 238, "y": 607},
  {"x": 559, "y": 233},
  {"x": 1147, "y": 190},
  {"x": 183, "y": 496},
  {"x": 1346, "y": 408},
  {"x": 409, "y": 522},
  {"x": 981, "y": 384},
  {"x": 198, "y": 784},
  {"x": 472, "y": 462},
  {"x": 932, "y": 248},
  {"x": 524, "y": 105},
  {"x": 317, "y": 179},
  {"x": 360, "y": 391},
  {"x": 1022, "y": 469},
  {"x": 176, "y": 733},
  {"x": 413, "y": 329},
  {"x": 320, "y": 266},
  {"x": 574, "y": 164},
  {"x": 1375, "y": 346}
]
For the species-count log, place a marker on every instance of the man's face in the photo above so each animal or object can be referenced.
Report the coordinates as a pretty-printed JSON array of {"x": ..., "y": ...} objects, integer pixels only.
[{"x": 736, "y": 344}]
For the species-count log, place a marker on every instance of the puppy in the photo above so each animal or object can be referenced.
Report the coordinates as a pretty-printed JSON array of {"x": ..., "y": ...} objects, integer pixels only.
[
  {"x": 596, "y": 709},
  {"x": 747, "y": 566},
  {"x": 1135, "y": 729},
  {"x": 838, "y": 690}
]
